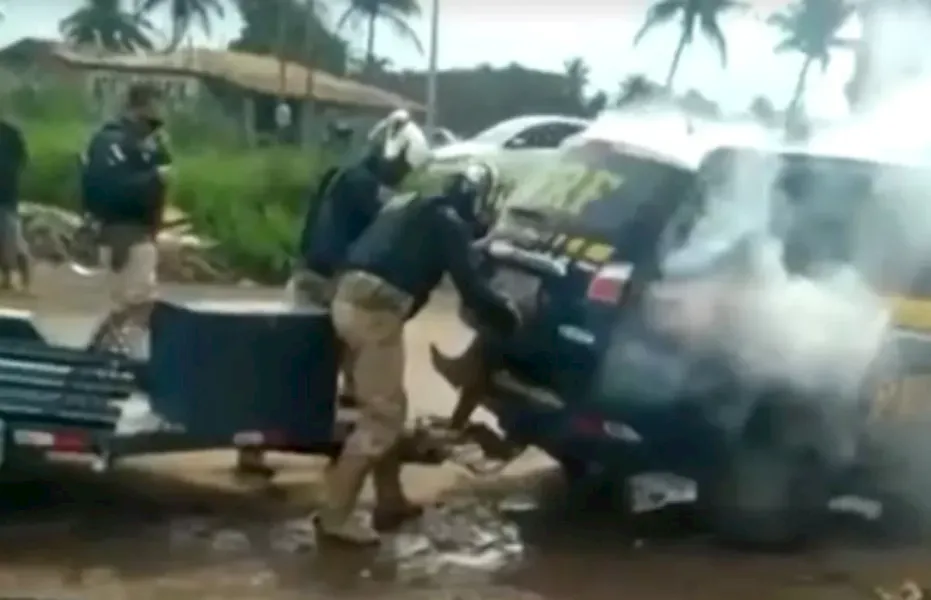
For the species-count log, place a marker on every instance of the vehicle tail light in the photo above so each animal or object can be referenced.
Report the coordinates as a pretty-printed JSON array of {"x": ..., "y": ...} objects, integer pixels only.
[
  {"x": 54, "y": 441},
  {"x": 607, "y": 285},
  {"x": 247, "y": 439}
]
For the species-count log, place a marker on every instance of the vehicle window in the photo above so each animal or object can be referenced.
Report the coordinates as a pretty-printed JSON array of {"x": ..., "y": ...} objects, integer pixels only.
[
  {"x": 500, "y": 133},
  {"x": 825, "y": 212},
  {"x": 595, "y": 188},
  {"x": 549, "y": 135}
]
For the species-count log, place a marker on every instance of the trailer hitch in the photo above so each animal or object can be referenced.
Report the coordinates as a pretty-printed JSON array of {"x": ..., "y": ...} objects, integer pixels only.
[{"x": 476, "y": 447}]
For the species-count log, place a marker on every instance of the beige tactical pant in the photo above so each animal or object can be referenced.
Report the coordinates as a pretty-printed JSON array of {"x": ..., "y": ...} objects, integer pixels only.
[
  {"x": 369, "y": 317},
  {"x": 131, "y": 256},
  {"x": 308, "y": 288}
]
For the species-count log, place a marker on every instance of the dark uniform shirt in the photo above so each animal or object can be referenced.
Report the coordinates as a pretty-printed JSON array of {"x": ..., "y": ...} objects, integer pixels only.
[
  {"x": 120, "y": 180},
  {"x": 413, "y": 245},
  {"x": 13, "y": 159},
  {"x": 347, "y": 206}
]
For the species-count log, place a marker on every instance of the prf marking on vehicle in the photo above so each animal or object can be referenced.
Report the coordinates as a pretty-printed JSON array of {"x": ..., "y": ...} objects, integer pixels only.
[
  {"x": 579, "y": 248},
  {"x": 902, "y": 398},
  {"x": 568, "y": 187}
]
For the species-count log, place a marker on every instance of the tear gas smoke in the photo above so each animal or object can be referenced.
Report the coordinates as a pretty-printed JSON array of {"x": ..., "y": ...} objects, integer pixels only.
[{"x": 731, "y": 286}]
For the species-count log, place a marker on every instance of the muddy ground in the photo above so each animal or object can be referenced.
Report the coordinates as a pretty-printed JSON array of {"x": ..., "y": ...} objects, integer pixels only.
[{"x": 179, "y": 527}]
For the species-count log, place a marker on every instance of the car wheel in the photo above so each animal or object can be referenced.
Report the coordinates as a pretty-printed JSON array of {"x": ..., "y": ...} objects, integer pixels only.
[
  {"x": 591, "y": 486},
  {"x": 769, "y": 498}
]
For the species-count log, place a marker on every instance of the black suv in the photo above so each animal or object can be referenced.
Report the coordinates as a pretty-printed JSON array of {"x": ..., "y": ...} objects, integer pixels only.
[{"x": 702, "y": 313}]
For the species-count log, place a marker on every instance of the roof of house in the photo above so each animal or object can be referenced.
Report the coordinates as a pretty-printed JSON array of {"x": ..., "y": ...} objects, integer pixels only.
[{"x": 250, "y": 71}]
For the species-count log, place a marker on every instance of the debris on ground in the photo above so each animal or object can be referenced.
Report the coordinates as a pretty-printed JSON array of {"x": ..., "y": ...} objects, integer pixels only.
[
  {"x": 184, "y": 257},
  {"x": 909, "y": 590}
]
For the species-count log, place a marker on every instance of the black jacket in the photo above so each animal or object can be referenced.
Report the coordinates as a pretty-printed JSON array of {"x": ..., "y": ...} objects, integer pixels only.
[
  {"x": 413, "y": 245},
  {"x": 13, "y": 159},
  {"x": 119, "y": 175},
  {"x": 346, "y": 204}
]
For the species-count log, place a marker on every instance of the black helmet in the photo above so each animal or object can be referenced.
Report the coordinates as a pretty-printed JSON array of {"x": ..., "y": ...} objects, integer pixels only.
[{"x": 477, "y": 186}]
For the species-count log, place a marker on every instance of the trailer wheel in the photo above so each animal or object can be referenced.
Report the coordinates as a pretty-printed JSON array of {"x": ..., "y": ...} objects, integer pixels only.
[{"x": 769, "y": 498}]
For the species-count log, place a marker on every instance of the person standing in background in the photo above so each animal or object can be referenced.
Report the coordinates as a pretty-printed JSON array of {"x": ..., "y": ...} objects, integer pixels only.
[
  {"x": 124, "y": 178},
  {"x": 14, "y": 256}
]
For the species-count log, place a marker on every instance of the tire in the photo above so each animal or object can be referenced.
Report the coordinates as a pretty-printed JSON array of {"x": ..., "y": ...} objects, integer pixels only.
[
  {"x": 590, "y": 487},
  {"x": 769, "y": 498}
]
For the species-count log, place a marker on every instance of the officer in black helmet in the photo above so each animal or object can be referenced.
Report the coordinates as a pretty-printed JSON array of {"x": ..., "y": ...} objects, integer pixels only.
[{"x": 388, "y": 277}]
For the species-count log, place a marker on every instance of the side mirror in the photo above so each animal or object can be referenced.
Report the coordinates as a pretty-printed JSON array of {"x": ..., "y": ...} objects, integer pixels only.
[{"x": 517, "y": 142}]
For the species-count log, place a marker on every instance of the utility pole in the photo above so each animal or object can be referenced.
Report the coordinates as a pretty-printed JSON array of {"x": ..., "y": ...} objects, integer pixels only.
[
  {"x": 309, "y": 112},
  {"x": 282, "y": 111},
  {"x": 432, "y": 68}
]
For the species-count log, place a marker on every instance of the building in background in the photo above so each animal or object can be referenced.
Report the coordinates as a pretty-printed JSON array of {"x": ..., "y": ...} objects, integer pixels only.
[{"x": 245, "y": 87}]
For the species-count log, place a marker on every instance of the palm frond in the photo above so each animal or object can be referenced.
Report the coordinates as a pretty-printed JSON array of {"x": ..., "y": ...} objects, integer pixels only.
[
  {"x": 349, "y": 17},
  {"x": 659, "y": 13},
  {"x": 712, "y": 30},
  {"x": 402, "y": 29}
]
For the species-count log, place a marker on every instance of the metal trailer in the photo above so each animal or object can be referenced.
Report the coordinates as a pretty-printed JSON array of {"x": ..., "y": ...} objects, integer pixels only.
[{"x": 220, "y": 374}]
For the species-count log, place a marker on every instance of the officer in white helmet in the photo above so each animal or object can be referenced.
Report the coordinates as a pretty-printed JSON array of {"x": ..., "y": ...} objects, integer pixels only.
[
  {"x": 388, "y": 276},
  {"x": 346, "y": 203}
]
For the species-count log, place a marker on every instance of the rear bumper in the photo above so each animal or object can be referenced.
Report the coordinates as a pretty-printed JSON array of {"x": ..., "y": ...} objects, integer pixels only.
[{"x": 595, "y": 433}]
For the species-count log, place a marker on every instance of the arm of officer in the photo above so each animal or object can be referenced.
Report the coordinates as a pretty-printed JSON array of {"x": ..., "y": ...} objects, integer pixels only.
[
  {"x": 362, "y": 190},
  {"x": 19, "y": 147},
  {"x": 456, "y": 247}
]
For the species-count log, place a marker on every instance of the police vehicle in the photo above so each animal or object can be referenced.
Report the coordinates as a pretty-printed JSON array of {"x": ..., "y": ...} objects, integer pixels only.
[{"x": 707, "y": 301}]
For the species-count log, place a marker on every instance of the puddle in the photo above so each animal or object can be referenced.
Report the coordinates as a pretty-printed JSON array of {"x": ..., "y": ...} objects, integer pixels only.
[{"x": 59, "y": 541}]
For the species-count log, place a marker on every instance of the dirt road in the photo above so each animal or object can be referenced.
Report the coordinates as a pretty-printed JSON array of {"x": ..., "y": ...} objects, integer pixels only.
[{"x": 178, "y": 527}]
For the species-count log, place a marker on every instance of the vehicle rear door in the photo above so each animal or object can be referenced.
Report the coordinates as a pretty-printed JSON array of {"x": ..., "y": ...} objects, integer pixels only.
[{"x": 567, "y": 239}]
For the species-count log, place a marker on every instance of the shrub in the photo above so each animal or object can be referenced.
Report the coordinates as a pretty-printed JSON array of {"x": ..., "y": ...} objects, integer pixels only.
[{"x": 250, "y": 201}]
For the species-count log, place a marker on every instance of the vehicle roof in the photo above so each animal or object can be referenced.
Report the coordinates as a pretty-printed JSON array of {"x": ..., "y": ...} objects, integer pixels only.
[
  {"x": 508, "y": 127},
  {"x": 686, "y": 141}
]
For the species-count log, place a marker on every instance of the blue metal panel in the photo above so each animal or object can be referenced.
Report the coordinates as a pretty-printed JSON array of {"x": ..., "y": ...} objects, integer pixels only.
[
  {"x": 219, "y": 368},
  {"x": 18, "y": 325}
]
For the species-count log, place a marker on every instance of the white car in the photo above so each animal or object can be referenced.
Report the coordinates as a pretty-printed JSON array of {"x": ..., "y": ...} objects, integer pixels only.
[{"x": 512, "y": 143}]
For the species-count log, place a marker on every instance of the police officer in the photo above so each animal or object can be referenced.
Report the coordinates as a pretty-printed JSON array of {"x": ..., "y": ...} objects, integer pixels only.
[
  {"x": 124, "y": 176},
  {"x": 389, "y": 275},
  {"x": 342, "y": 206},
  {"x": 346, "y": 202}
]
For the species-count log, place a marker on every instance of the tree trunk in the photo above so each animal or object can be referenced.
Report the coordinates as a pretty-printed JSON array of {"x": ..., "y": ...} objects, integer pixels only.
[
  {"x": 370, "y": 43},
  {"x": 680, "y": 49},
  {"x": 799, "y": 87}
]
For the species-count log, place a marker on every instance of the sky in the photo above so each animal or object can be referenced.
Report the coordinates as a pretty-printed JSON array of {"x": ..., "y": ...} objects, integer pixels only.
[{"x": 544, "y": 34}]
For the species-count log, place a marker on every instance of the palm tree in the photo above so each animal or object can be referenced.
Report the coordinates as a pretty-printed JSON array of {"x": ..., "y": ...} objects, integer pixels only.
[
  {"x": 810, "y": 27},
  {"x": 184, "y": 15},
  {"x": 394, "y": 12},
  {"x": 703, "y": 13},
  {"x": 104, "y": 24}
]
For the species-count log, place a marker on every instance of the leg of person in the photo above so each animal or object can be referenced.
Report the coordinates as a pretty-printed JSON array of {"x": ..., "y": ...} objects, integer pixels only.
[
  {"x": 23, "y": 258},
  {"x": 307, "y": 288},
  {"x": 393, "y": 508},
  {"x": 461, "y": 370},
  {"x": 376, "y": 342},
  {"x": 468, "y": 372},
  {"x": 347, "y": 388},
  {"x": 8, "y": 246},
  {"x": 132, "y": 259}
]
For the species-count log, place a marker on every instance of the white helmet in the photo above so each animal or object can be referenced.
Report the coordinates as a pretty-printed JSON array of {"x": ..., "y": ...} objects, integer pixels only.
[{"x": 398, "y": 136}]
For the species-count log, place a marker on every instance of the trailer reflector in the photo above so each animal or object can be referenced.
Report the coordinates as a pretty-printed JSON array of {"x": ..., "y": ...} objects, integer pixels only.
[
  {"x": 246, "y": 439},
  {"x": 58, "y": 441}
]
